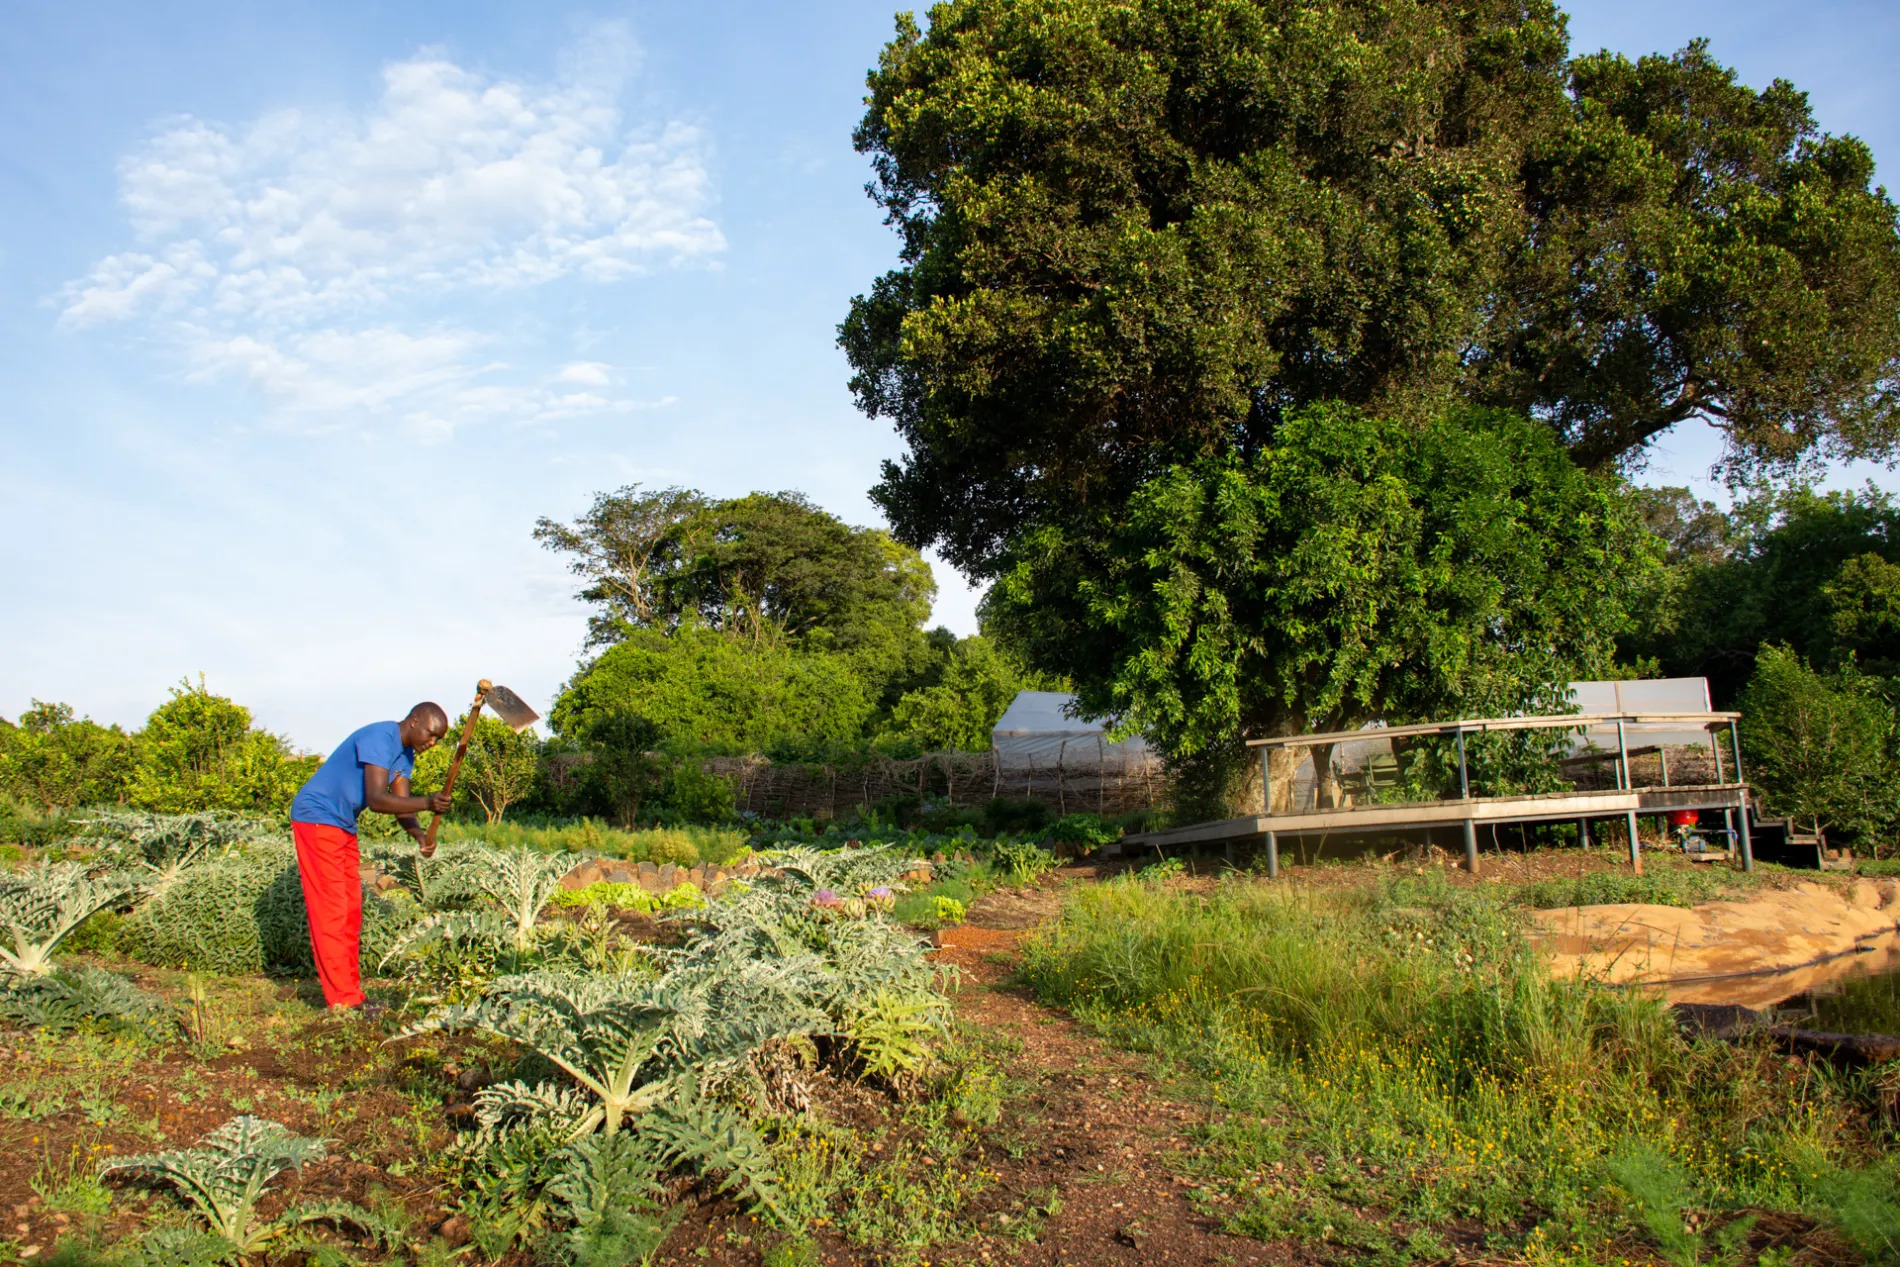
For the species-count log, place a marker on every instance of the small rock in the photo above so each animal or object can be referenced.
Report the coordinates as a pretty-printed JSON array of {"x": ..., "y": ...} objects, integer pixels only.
[
  {"x": 29, "y": 1251},
  {"x": 670, "y": 875},
  {"x": 454, "y": 1229}
]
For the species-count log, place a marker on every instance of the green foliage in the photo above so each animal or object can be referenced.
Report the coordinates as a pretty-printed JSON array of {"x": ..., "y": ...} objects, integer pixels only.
[
  {"x": 44, "y": 905},
  {"x": 1022, "y": 861},
  {"x": 608, "y": 894},
  {"x": 949, "y": 910},
  {"x": 199, "y": 751},
  {"x": 498, "y": 771},
  {"x": 517, "y": 885},
  {"x": 1087, "y": 830},
  {"x": 706, "y": 690},
  {"x": 54, "y": 760},
  {"x": 763, "y": 567},
  {"x": 1356, "y": 568},
  {"x": 1656, "y": 887},
  {"x": 1864, "y": 1206},
  {"x": 75, "y": 996},
  {"x": 1797, "y": 568},
  {"x": 223, "y": 1178},
  {"x": 1401, "y": 1047},
  {"x": 640, "y": 1052},
  {"x": 686, "y": 844},
  {"x": 893, "y": 1031},
  {"x": 161, "y": 848},
  {"x": 1822, "y": 747},
  {"x": 626, "y": 761},
  {"x": 244, "y": 914},
  {"x": 958, "y": 711},
  {"x": 1663, "y": 1195},
  {"x": 609, "y": 1197},
  {"x": 696, "y": 795},
  {"x": 1135, "y": 233},
  {"x": 22, "y": 825}
]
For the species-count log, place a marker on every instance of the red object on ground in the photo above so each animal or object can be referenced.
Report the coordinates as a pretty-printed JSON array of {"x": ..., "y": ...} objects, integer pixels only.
[
  {"x": 327, "y": 862},
  {"x": 1683, "y": 817}
]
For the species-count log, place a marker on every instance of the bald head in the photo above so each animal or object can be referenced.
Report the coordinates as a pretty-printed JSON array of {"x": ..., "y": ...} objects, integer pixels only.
[{"x": 424, "y": 727}]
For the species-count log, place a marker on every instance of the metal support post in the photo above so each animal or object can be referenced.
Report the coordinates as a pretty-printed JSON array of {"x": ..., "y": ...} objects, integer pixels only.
[
  {"x": 1266, "y": 783},
  {"x": 1715, "y": 747},
  {"x": 1636, "y": 845},
  {"x": 1728, "y": 832},
  {"x": 1583, "y": 832},
  {"x": 1748, "y": 847},
  {"x": 1471, "y": 847},
  {"x": 1735, "y": 743},
  {"x": 1624, "y": 781},
  {"x": 1273, "y": 855},
  {"x": 1662, "y": 755},
  {"x": 1464, "y": 778}
]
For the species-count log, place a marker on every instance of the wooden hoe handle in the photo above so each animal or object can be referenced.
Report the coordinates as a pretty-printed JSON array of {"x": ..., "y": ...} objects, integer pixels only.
[{"x": 455, "y": 766}]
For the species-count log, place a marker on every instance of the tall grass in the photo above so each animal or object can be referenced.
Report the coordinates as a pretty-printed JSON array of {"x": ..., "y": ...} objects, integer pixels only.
[
  {"x": 682, "y": 845},
  {"x": 1393, "y": 1059}
]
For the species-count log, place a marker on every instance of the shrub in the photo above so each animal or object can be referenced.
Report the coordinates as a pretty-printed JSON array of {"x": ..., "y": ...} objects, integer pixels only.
[{"x": 245, "y": 914}]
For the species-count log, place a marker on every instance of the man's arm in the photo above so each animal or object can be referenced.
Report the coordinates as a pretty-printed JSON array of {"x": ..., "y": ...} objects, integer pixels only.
[
  {"x": 409, "y": 822},
  {"x": 381, "y": 797}
]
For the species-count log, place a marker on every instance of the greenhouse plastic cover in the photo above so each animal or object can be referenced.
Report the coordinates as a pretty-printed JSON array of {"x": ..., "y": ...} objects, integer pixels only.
[{"x": 1037, "y": 729}]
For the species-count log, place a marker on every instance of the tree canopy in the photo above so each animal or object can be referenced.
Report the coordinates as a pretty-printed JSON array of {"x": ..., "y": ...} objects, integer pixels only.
[
  {"x": 1138, "y": 234},
  {"x": 1817, "y": 573},
  {"x": 1358, "y": 568}
]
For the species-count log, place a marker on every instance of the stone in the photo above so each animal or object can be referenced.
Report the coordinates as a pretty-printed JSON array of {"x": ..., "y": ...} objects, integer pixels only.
[
  {"x": 670, "y": 875},
  {"x": 617, "y": 873},
  {"x": 647, "y": 868},
  {"x": 582, "y": 876}
]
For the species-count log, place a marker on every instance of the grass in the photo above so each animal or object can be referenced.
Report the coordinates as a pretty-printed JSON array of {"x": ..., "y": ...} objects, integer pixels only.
[
  {"x": 1391, "y": 1068},
  {"x": 682, "y": 845},
  {"x": 1660, "y": 886}
]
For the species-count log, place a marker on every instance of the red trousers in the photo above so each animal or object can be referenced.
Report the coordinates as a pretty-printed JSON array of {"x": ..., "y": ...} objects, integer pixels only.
[{"x": 333, "y": 896}]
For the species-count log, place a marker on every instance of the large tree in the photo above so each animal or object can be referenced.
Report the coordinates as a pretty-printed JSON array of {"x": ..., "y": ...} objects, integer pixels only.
[
  {"x": 1358, "y": 568},
  {"x": 1136, "y": 233}
]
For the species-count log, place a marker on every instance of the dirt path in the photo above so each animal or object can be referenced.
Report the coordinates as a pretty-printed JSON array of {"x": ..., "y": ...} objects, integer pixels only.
[{"x": 1101, "y": 1134}]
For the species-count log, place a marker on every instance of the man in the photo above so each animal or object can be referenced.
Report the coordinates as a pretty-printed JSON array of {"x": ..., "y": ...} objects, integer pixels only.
[{"x": 370, "y": 771}]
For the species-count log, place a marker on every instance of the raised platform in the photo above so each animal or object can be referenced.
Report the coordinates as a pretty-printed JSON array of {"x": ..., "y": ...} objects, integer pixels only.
[{"x": 1549, "y": 807}]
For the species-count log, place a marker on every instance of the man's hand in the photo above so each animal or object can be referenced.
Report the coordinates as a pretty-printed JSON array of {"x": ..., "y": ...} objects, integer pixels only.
[{"x": 440, "y": 802}]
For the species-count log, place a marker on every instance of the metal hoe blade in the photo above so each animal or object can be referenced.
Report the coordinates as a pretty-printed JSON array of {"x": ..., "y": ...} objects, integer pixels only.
[{"x": 510, "y": 708}]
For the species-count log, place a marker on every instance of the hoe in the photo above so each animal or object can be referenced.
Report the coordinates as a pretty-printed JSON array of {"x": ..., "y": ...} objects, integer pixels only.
[{"x": 505, "y": 704}]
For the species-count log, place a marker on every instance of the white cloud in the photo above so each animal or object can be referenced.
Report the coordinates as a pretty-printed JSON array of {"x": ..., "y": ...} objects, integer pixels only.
[
  {"x": 291, "y": 252},
  {"x": 588, "y": 373}
]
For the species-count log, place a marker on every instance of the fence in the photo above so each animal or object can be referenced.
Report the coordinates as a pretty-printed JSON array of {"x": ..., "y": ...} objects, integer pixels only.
[{"x": 1084, "y": 785}]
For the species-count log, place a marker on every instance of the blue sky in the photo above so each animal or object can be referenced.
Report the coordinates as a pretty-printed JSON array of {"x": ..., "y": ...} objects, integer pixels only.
[{"x": 307, "y": 311}]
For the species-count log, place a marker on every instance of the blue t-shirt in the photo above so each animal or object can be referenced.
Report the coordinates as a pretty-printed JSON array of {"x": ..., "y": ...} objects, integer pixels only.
[{"x": 334, "y": 794}]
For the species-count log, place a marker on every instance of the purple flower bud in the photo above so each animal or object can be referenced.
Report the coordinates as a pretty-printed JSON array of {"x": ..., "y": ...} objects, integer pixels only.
[
  {"x": 825, "y": 897},
  {"x": 881, "y": 891}
]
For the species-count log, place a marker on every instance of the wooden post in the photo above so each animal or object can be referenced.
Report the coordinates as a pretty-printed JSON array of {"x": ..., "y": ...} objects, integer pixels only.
[
  {"x": 1636, "y": 845},
  {"x": 1273, "y": 854},
  {"x": 455, "y": 765},
  {"x": 1471, "y": 845},
  {"x": 1062, "y": 791}
]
